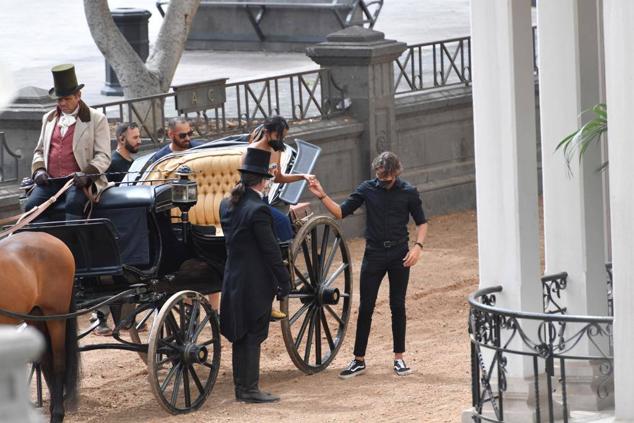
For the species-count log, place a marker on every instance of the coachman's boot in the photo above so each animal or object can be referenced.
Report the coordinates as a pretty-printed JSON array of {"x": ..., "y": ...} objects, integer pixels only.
[{"x": 250, "y": 372}]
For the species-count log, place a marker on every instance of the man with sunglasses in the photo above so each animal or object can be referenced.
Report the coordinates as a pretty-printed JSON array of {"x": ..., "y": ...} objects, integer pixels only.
[
  {"x": 180, "y": 133},
  {"x": 128, "y": 143},
  {"x": 389, "y": 203}
]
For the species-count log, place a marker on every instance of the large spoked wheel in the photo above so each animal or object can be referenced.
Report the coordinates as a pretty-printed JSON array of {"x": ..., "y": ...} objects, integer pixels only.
[
  {"x": 184, "y": 352},
  {"x": 318, "y": 307}
]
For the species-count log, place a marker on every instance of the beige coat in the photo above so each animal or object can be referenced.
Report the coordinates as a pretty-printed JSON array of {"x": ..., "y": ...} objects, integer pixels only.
[{"x": 91, "y": 143}]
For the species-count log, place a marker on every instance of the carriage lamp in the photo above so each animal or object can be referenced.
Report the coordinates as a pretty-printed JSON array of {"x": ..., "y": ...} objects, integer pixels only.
[{"x": 184, "y": 195}]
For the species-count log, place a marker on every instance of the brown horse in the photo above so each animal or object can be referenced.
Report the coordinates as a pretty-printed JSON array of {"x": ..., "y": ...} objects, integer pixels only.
[{"x": 36, "y": 277}]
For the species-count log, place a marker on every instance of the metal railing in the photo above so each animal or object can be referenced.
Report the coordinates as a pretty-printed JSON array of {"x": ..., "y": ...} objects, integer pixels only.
[
  {"x": 550, "y": 341},
  {"x": 9, "y": 161},
  {"x": 552, "y": 285},
  {"x": 439, "y": 64},
  {"x": 296, "y": 96}
]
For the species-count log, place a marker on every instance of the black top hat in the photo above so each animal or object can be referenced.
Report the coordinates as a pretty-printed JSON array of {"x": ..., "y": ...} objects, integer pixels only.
[
  {"x": 256, "y": 161},
  {"x": 65, "y": 81}
]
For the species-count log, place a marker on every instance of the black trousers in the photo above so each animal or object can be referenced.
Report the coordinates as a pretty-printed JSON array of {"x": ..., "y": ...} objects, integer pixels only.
[
  {"x": 74, "y": 199},
  {"x": 376, "y": 263}
]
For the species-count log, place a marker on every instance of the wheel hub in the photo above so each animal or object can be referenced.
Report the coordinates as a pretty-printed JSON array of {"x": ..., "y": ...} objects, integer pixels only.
[
  {"x": 193, "y": 353},
  {"x": 329, "y": 296}
]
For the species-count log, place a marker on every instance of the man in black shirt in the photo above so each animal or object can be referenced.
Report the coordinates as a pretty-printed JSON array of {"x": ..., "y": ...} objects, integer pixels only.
[
  {"x": 389, "y": 202},
  {"x": 128, "y": 143}
]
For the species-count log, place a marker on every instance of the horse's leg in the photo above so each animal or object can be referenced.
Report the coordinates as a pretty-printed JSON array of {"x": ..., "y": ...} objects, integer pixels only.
[{"x": 57, "y": 334}]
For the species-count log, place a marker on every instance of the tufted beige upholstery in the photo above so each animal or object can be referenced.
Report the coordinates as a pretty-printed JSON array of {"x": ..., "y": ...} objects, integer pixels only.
[{"x": 216, "y": 173}]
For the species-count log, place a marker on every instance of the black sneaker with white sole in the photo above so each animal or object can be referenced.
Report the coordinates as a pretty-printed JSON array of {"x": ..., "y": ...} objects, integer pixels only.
[
  {"x": 400, "y": 368},
  {"x": 355, "y": 368}
]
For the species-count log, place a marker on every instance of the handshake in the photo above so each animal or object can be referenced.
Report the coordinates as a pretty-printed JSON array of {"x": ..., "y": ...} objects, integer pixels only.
[{"x": 80, "y": 179}]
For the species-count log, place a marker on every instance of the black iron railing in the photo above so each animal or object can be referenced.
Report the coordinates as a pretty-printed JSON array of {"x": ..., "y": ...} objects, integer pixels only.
[
  {"x": 438, "y": 64},
  {"x": 552, "y": 285},
  {"x": 550, "y": 341},
  {"x": 297, "y": 96},
  {"x": 9, "y": 161}
]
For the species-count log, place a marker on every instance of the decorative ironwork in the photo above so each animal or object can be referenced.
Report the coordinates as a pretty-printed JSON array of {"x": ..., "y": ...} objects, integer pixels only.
[
  {"x": 609, "y": 283},
  {"x": 552, "y": 340},
  {"x": 552, "y": 286},
  {"x": 11, "y": 163},
  {"x": 297, "y": 96},
  {"x": 439, "y": 64}
]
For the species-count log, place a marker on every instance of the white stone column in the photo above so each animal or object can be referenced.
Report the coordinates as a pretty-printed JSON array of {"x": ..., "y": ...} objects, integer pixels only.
[
  {"x": 574, "y": 235},
  {"x": 505, "y": 150},
  {"x": 619, "y": 75},
  {"x": 16, "y": 348},
  {"x": 506, "y": 169}
]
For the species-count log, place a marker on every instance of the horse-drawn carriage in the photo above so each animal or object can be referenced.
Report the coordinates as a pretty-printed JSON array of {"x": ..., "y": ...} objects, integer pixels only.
[{"x": 153, "y": 248}]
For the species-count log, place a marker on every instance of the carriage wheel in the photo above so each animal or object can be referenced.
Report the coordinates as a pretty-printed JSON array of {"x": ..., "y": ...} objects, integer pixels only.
[
  {"x": 184, "y": 352},
  {"x": 145, "y": 317},
  {"x": 318, "y": 306}
]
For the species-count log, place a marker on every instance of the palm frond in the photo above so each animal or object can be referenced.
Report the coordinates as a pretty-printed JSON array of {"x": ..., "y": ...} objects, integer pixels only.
[{"x": 578, "y": 142}]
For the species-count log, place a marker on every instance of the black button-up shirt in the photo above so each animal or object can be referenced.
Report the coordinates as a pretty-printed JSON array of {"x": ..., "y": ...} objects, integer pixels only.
[{"x": 387, "y": 211}]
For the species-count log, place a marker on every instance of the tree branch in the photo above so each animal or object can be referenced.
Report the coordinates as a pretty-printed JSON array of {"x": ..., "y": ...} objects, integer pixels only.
[{"x": 169, "y": 46}]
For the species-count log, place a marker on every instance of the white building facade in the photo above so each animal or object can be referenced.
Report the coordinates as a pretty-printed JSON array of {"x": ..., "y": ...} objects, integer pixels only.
[{"x": 580, "y": 369}]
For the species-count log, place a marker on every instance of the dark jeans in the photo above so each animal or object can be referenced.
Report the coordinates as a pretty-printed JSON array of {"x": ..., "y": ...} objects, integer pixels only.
[
  {"x": 74, "y": 199},
  {"x": 281, "y": 224},
  {"x": 376, "y": 263}
]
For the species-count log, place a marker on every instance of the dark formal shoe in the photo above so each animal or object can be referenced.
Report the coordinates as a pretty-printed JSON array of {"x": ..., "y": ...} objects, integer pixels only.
[
  {"x": 355, "y": 368},
  {"x": 256, "y": 396},
  {"x": 400, "y": 368}
]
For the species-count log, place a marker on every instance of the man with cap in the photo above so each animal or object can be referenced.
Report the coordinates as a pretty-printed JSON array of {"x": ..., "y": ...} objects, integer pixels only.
[
  {"x": 74, "y": 143},
  {"x": 254, "y": 273}
]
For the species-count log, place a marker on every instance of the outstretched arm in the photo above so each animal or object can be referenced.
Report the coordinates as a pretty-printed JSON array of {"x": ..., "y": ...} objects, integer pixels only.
[{"x": 334, "y": 208}]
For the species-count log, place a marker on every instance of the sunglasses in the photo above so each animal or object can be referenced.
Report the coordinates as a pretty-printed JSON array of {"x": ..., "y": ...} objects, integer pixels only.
[{"x": 183, "y": 135}]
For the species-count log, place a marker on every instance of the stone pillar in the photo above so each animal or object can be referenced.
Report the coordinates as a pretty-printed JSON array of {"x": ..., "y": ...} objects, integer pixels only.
[
  {"x": 16, "y": 349},
  {"x": 619, "y": 62},
  {"x": 574, "y": 234},
  {"x": 506, "y": 170},
  {"x": 361, "y": 62}
]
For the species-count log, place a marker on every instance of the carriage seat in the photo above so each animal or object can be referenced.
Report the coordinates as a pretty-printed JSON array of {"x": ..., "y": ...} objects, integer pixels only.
[
  {"x": 126, "y": 196},
  {"x": 215, "y": 173}
]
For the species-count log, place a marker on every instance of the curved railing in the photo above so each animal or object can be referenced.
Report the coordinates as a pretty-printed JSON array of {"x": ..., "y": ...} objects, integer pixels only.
[{"x": 551, "y": 341}]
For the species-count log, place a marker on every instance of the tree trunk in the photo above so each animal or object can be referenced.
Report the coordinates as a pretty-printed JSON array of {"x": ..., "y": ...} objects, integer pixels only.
[{"x": 140, "y": 79}]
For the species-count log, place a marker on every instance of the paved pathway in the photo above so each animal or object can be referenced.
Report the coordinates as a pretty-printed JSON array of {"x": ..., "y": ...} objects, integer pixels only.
[{"x": 37, "y": 34}]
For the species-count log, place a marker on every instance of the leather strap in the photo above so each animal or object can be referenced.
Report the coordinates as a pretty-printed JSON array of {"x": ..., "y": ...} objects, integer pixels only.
[{"x": 32, "y": 214}]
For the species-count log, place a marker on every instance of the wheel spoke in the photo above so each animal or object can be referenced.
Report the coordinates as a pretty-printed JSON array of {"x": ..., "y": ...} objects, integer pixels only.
[
  {"x": 208, "y": 364},
  {"x": 318, "y": 337},
  {"x": 199, "y": 385},
  {"x": 316, "y": 259},
  {"x": 183, "y": 319},
  {"x": 302, "y": 277},
  {"x": 336, "y": 274},
  {"x": 206, "y": 343},
  {"x": 331, "y": 311},
  {"x": 302, "y": 329},
  {"x": 309, "y": 264},
  {"x": 309, "y": 340},
  {"x": 300, "y": 295},
  {"x": 169, "y": 377},
  {"x": 324, "y": 323},
  {"x": 193, "y": 318},
  {"x": 324, "y": 246},
  {"x": 173, "y": 326},
  {"x": 163, "y": 361},
  {"x": 188, "y": 399},
  {"x": 177, "y": 384},
  {"x": 298, "y": 314},
  {"x": 200, "y": 327},
  {"x": 331, "y": 256}
]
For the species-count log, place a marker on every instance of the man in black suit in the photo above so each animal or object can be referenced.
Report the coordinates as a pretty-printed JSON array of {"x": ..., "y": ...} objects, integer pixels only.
[{"x": 254, "y": 273}]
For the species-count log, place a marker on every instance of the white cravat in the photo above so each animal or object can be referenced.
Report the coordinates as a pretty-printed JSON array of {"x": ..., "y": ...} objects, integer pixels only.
[{"x": 66, "y": 120}]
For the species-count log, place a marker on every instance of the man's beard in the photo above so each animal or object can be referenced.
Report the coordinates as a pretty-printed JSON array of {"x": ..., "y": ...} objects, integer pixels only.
[
  {"x": 131, "y": 148},
  {"x": 184, "y": 144}
]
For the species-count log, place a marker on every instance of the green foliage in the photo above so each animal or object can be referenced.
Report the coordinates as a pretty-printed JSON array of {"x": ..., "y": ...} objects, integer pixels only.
[{"x": 579, "y": 141}]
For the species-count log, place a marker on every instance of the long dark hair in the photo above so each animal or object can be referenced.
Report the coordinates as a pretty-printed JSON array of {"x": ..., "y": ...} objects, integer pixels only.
[
  {"x": 271, "y": 124},
  {"x": 246, "y": 180}
]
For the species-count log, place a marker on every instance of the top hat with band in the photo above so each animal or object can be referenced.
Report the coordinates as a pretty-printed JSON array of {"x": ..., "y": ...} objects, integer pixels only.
[
  {"x": 65, "y": 81},
  {"x": 256, "y": 161}
]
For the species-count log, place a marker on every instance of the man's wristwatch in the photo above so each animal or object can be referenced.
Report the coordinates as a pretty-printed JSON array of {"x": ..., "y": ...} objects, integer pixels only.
[{"x": 420, "y": 244}]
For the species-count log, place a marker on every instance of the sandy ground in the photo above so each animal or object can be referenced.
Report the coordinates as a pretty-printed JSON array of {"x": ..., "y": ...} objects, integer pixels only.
[{"x": 115, "y": 387}]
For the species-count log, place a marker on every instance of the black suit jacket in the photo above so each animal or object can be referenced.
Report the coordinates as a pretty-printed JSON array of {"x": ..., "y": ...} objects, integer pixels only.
[{"x": 254, "y": 267}]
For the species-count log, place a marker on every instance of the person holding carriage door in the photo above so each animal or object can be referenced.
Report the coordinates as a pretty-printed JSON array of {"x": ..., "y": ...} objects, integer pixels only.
[
  {"x": 254, "y": 274},
  {"x": 74, "y": 143}
]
